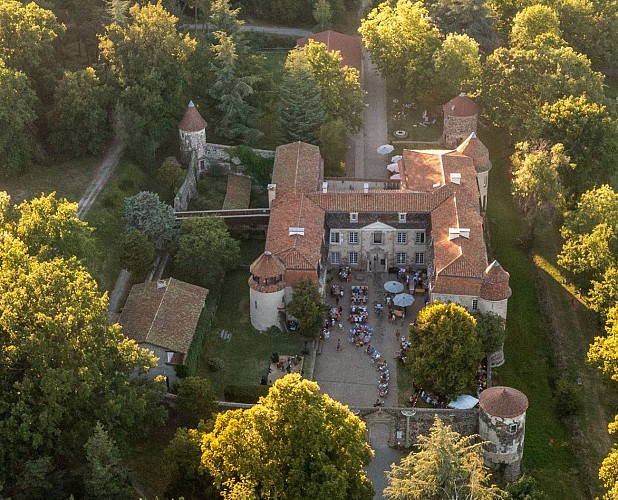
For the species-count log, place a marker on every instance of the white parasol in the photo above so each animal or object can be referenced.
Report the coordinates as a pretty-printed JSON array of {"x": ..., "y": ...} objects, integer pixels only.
[
  {"x": 393, "y": 167},
  {"x": 396, "y": 158},
  {"x": 396, "y": 177},
  {"x": 384, "y": 149},
  {"x": 393, "y": 286},
  {"x": 403, "y": 300}
]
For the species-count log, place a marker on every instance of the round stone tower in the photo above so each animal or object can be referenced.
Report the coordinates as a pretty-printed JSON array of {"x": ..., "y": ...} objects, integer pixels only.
[
  {"x": 494, "y": 297},
  {"x": 266, "y": 290},
  {"x": 192, "y": 131},
  {"x": 476, "y": 150},
  {"x": 460, "y": 120},
  {"x": 502, "y": 425}
]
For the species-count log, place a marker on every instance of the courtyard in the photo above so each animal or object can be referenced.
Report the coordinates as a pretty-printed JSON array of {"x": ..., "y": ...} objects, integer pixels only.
[{"x": 349, "y": 373}]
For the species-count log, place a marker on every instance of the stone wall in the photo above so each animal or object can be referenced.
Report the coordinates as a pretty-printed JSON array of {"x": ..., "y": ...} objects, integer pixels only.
[
  {"x": 189, "y": 187},
  {"x": 458, "y": 128},
  {"x": 217, "y": 157}
]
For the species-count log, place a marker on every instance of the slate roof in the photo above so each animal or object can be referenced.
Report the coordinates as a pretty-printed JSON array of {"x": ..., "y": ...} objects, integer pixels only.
[
  {"x": 348, "y": 46},
  {"x": 504, "y": 402},
  {"x": 164, "y": 314},
  {"x": 192, "y": 121},
  {"x": 461, "y": 106}
]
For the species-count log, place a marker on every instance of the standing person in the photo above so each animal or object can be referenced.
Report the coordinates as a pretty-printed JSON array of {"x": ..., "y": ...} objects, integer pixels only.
[
  {"x": 397, "y": 335},
  {"x": 338, "y": 344}
]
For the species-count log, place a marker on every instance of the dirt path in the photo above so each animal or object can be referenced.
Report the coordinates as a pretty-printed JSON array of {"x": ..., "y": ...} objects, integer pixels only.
[
  {"x": 297, "y": 32},
  {"x": 106, "y": 167}
]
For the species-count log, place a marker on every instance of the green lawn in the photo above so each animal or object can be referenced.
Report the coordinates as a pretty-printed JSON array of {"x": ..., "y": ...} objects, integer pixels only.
[
  {"x": 68, "y": 179},
  {"x": 548, "y": 453},
  {"x": 247, "y": 353}
]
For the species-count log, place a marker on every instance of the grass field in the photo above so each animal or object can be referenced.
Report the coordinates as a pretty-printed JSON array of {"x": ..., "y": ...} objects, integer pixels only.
[
  {"x": 548, "y": 455},
  {"x": 68, "y": 179}
]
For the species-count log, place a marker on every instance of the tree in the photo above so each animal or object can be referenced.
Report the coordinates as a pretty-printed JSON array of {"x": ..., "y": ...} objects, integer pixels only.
[
  {"x": 195, "y": 401},
  {"x": 517, "y": 82},
  {"x": 146, "y": 213},
  {"x": 231, "y": 89},
  {"x": 456, "y": 67},
  {"x": 64, "y": 367},
  {"x": 301, "y": 108},
  {"x": 137, "y": 254},
  {"x": 106, "y": 477},
  {"x": 79, "y": 116},
  {"x": 333, "y": 147},
  {"x": 445, "y": 352},
  {"x": 525, "y": 488},
  {"x": 118, "y": 10},
  {"x": 295, "y": 443},
  {"x": 590, "y": 137},
  {"x": 536, "y": 176},
  {"x": 533, "y": 22},
  {"x": 183, "y": 465},
  {"x": 323, "y": 15},
  {"x": 590, "y": 236},
  {"x": 445, "y": 465},
  {"x": 170, "y": 178},
  {"x": 206, "y": 251},
  {"x": 50, "y": 228},
  {"x": 399, "y": 38},
  {"x": 339, "y": 85},
  {"x": 603, "y": 294},
  {"x": 17, "y": 104},
  {"x": 307, "y": 307},
  {"x": 491, "y": 330},
  {"x": 471, "y": 17},
  {"x": 147, "y": 59}
]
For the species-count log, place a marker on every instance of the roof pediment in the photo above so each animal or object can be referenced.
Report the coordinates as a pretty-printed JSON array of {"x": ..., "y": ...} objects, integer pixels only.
[{"x": 378, "y": 226}]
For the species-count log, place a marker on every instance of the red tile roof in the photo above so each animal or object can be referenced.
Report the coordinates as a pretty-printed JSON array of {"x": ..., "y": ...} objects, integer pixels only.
[
  {"x": 504, "y": 402},
  {"x": 378, "y": 201},
  {"x": 348, "y": 46},
  {"x": 298, "y": 168},
  {"x": 267, "y": 265},
  {"x": 238, "y": 193},
  {"x": 460, "y": 106},
  {"x": 495, "y": 284},
  {"x": 192, "y": 121},
  {"x": 164, "y": 314},
  {"x": 476, "y": 150}
]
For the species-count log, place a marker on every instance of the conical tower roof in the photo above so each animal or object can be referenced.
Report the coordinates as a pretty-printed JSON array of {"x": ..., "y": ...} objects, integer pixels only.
[
  {"x": 475, "y": 149},
  {"x": 267, "y": 266},
  {"x": 495, "y": 283},
  {"x": 192, "y": 121},
  {"x": 460, "y": 106},
  {"x": 503, "y": 402}
]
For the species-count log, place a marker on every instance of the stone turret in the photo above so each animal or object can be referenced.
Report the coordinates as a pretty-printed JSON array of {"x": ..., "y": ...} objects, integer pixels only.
[
  {"x": 475, "y": 149},
  {"x": 494, "y": 297},
  {"x": 460, "y": 120},
  {"x": 502, "y": 425},
  {"x": 266, "y": 290},
  {"x": 192, "y": 131}
]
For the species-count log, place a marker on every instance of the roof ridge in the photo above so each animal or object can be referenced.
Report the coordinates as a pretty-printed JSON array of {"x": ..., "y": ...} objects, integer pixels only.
[{"x": 156, "y": 314}]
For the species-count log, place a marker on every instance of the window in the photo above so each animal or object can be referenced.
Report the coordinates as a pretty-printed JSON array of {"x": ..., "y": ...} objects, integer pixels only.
[
  {"x": 353, "y": 257},
  {"x": 335, "y": 257},
  {"x": 255, "y": 302},
  {"x": 419, "y": 258},
  {"x": 334, "y": 237},
  {"x": 402, "y": 238},
  {"x": 420, "y": 238},
  {"x": 401, "y": 257},
  {"x": 353, "y": 238},
  {"x": 353, "y": 216},
  {"x": 485, "y": 181},
  {"x": 377, "y": 237},
  {"x": 402, "y": 217},
  {"x": 512, "y": 428},
  {"x": 475, "y": 304}
]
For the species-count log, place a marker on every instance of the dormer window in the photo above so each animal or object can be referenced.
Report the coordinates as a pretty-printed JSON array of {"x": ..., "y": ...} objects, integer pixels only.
[
  {"x": 353, "y": 216},
  {"x": 402, "y": 217}
]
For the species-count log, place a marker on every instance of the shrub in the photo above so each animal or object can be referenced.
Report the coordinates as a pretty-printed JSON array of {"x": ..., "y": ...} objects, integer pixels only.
[
  {"x": 568, "y": 397},
  {"x": 137, "y": 254},
  {"x": 195, "y": 401},
  {"x": 215, "y": 364}
]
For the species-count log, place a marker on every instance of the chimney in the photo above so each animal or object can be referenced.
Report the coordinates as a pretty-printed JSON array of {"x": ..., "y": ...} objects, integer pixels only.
[
  {"x": 272, "y": 193},
  {"x": 325, "y": 187},
  {"x": 365, "y": 187}
]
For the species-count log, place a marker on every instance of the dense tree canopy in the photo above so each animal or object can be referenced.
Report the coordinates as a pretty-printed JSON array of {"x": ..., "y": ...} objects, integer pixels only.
[
  {"x": 533, "y": 22},
  {"x": 17, "y": 105},
  {"x": 78, "y": 119},
  {"x": 399, "y": 38},
  {"x": 206, "y": 251},
  {"x": 536, "y": 176},
  {"x": 147, "y": 59},
  {"x": 444, "y": 350},
  {"x": 445, "y": 465},
  {"x": 306, "y": 306},
  {"x": 295, "y": 443},
  {"x": 64, "y": 367}
]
